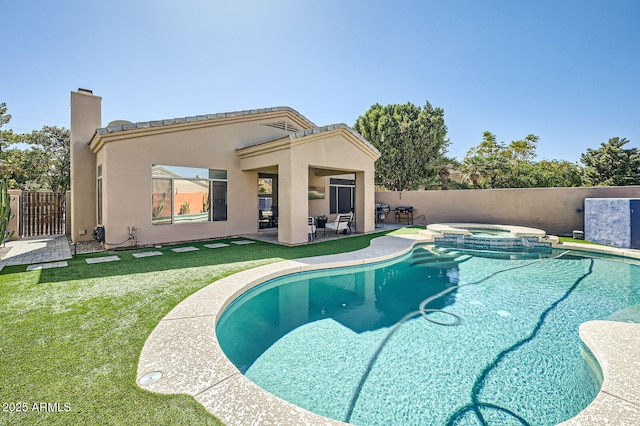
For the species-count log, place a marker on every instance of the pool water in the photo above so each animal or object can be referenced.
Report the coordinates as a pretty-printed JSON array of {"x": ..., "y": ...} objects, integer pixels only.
[
  {"x": 318, "y": 339},
  {"x": 488, "y": 232}
]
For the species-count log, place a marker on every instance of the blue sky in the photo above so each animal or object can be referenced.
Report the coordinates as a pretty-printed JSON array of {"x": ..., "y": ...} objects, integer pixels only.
[{"x": 565, "y": 70}]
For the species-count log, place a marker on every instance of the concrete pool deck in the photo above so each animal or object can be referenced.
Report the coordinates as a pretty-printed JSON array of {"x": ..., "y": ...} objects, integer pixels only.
[{"x": 184, "y": 349}]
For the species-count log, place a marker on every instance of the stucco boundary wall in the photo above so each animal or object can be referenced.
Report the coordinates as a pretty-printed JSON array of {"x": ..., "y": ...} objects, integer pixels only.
[{"x": 558, "y": 211}]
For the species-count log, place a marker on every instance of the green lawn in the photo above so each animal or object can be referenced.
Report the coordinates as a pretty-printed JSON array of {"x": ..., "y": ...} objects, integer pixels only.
[
  {"x": 73, "y": 335},
  {"x": 574, "y": 240}
]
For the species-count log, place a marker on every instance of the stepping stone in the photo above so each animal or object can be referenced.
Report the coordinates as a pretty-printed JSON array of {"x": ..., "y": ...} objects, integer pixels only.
[
  {"x": 147, "y": 254},
  {"x": 216, "y": 245},
  {"x": 184, "y": 249},
  {"x": 102, "y": 259},
  {"x": 47, "y": 266},
  {"x": 243, "y": 242}
]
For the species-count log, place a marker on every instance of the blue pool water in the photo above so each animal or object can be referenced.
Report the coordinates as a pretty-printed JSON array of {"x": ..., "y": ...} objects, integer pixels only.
[{"x": 330, "y": 341}]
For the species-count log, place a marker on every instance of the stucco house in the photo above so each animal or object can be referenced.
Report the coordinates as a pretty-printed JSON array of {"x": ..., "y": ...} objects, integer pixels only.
[{"x": 212, "y": 176}]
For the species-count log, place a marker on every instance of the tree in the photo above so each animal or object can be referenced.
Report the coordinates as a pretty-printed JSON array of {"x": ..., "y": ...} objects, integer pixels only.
[
  {"x": 473, "y": 169},
  {"x": 46, "y": 165},
  {"x": 439, "y": 171},
  {"x": 522, "y": 150},
  {"x": 408, "y": 137},
  {"x": 556, "y": 173},
  {"x": 443, "y": 174},
  {"x": 24, "y": 169},
  {"x": 4, "y": 117},
  {"x": 54, "y": 143},
  {"x": 497, "y": 165},
  {"x": 611, "y": 164},
  {"x": 487, "y": 160},
  {"x": 6, "y": 136}
]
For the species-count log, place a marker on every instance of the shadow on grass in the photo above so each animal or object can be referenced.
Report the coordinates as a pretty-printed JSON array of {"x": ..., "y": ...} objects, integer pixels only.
[{"x": 169, "y": 260}]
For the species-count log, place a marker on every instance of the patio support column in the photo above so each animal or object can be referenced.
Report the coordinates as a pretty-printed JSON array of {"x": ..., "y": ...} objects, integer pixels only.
[
  {"x": 293, "y": 202},
  {"x": 365, "y": 202}
]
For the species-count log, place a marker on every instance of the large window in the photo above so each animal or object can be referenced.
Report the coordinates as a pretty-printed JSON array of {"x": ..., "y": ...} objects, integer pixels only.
[
  {"x": 188, "y": 195},
  {"x": 341, "y": 195}
]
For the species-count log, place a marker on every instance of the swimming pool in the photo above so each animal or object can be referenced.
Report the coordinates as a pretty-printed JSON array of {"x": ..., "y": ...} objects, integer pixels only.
[{"x": 318, "y": 339}]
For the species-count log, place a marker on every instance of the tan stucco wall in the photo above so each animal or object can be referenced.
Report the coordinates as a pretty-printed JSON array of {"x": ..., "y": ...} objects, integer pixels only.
[
  {"x": 85, "y": 119},
  {"x": 127, "y": 157},
  {"x": 128, "y": 187},
  {"x": 336, "y": 150},
  {"x": 558, "y": 211}
]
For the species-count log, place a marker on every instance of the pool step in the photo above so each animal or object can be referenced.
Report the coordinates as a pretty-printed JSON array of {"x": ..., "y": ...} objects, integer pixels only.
[
  {"x": 630, "y": 314},
  {"x": 441, "y": 261},
  {"x": 420, "y": 254}
]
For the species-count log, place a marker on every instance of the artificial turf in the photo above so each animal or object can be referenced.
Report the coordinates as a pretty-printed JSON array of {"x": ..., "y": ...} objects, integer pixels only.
[
  {"x": 70, "y": 338},
  {"x": 575, "y": 240}
]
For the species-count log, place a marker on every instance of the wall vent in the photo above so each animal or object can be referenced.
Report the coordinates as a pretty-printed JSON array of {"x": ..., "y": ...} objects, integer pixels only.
[{"x": 284, "y": 125}]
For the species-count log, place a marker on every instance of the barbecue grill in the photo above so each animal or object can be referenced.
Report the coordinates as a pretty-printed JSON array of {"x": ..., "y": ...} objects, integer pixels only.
[
  {"x": 404, "y": 214},
  {"x": 381, "y": 212}
]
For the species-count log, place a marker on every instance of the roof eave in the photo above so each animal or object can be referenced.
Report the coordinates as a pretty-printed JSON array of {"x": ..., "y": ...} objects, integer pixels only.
[
  {"x": 134, "y": 130},
  {"x": 300, "y": 119},
  {"x": 308, "y": 136}
]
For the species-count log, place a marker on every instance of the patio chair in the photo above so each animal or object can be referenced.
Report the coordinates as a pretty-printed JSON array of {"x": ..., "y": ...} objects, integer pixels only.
[
  {"x": 341, "y": 223},
  {"x": 312, "y": 228},
  {"x": 263, "y": 221}
]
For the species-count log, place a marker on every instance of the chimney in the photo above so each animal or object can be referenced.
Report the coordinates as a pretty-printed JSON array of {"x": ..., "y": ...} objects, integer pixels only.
[{"x": 85, "y": 119}]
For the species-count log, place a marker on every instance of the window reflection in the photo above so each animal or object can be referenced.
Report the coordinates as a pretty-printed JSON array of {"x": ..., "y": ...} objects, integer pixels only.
[{"x": 188, "y": 195}]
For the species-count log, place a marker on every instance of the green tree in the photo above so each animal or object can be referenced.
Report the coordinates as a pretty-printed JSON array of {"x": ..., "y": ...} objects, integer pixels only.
[
  {"x": 4, "y": 117},
  {"x": 6, "y": 136},
  {"x": 556, "y": 173},
  {"x": 439, "y": 172},
  {"x": 54, "y": 143},
  {"x": 473, "y": 169},
  {"x": 611, "y": 164},
  {"x": 24, "y": 169},
  {"x": 408, "y": 137},
  {"x": 488, "y": 160},
  {"x": 515, "y": 175},
  {"x": 522, "y": 150},
  {"x": 46, "y": 165},
  {"x": 494, "y": 164}
]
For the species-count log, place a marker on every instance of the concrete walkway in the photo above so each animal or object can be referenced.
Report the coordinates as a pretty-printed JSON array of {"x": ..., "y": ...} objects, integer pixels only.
[{"x": 30, "y": 250}]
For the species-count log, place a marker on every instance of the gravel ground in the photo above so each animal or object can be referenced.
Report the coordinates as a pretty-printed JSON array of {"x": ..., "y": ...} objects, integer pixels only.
[{"x": 86, "y": 247}]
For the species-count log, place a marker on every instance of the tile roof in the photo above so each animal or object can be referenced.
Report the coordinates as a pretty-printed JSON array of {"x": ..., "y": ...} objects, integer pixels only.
[
  {"x": 317, "y": 130},
  {"x": 158, "y": 123}
]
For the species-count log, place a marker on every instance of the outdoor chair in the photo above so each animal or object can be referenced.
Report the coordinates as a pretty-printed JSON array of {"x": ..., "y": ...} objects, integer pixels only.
[
  {"x": 263, "y": 221},
  {"x": 312, "y": 228},
  {"x": 342, "y": 223}
]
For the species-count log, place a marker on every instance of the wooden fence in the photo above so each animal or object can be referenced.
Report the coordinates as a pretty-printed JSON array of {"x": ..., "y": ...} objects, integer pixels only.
[{"x": 43, "y": 213}]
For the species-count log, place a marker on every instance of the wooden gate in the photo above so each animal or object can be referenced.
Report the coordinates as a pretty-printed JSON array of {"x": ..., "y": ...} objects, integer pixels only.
[{"x": 43, "y": 213}]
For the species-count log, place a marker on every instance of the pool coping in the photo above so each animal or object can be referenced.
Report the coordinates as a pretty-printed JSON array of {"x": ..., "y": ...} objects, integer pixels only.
[
  {"x": 461, "y": 228},
  {"x": 184, "y": 347}
]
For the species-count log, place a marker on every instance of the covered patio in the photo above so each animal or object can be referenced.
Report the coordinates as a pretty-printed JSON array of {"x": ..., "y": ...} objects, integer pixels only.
[
  {"x": 271, "y": 235},
  {"x": 309, "y": 167}
]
